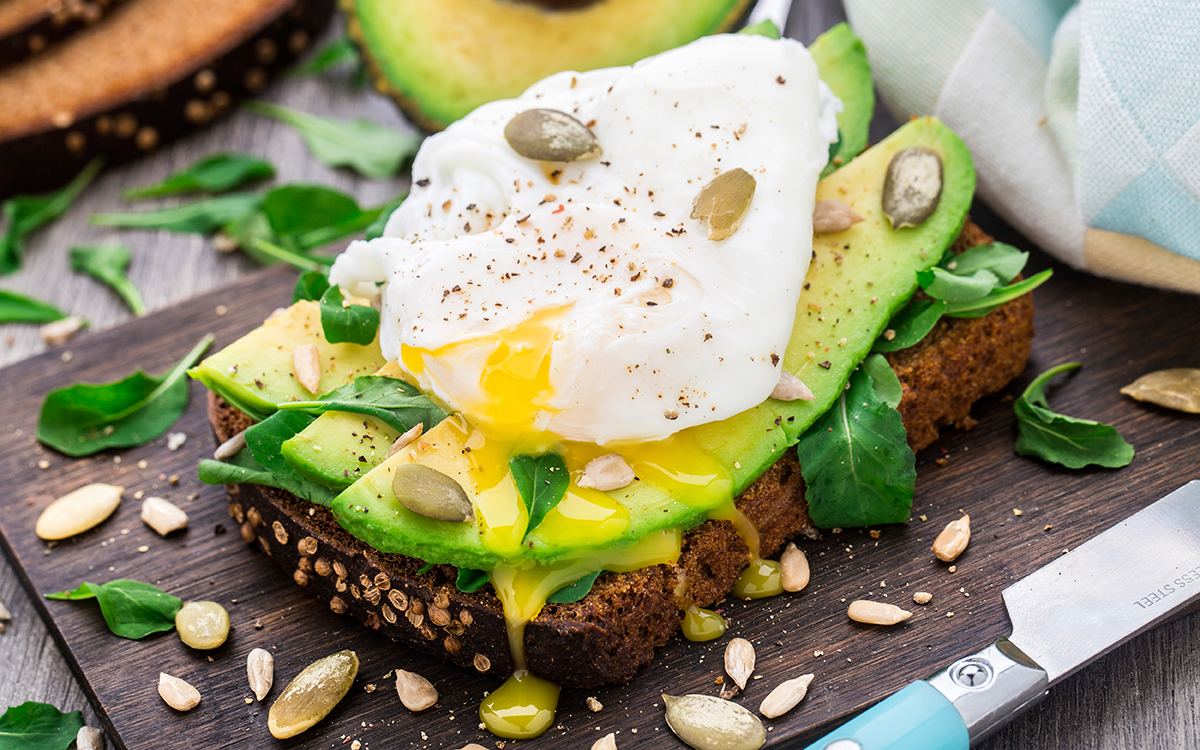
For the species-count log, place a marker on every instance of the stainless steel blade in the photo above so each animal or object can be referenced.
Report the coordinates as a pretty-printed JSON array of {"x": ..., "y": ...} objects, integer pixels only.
[{"x": 1110, "y": 589}]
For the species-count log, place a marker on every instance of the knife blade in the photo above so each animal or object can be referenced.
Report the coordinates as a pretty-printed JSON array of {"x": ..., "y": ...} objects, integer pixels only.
[{"x": 1065, "y": 615}]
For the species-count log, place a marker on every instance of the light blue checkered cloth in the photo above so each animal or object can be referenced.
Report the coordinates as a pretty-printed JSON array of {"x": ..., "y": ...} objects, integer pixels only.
[{"x": 1084, "y": 118}]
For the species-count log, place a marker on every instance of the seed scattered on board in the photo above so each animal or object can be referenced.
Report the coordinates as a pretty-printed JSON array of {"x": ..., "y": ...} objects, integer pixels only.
[
  {"x": 312, "y": 694},
  {"x": 260, "y": 672},
  {"x": 785, "y": 697},
  {"x": 78, "y": 511},
  {"x": 178, "y": 694},
  {"x": 876, "y": 613},
  {"x": 416, "y": 692},
  {"x": 706, "y": 722}
]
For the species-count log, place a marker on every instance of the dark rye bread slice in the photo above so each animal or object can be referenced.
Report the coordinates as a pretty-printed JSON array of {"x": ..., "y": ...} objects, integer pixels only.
[
  {"x": 613, "y": 631},
  {"x": 28, "y": 27},
  {"x": 150, "y": 72}
]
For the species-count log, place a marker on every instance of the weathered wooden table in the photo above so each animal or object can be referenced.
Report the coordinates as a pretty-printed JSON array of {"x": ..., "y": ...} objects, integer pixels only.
[{"x": 1145, "y": 692}]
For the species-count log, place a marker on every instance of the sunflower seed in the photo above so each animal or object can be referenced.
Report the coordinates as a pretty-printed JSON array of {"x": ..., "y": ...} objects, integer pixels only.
[
  {"x": 78, "y": 511},
  {"x": 416, "y": 692},
  {"x": 831, "y": 216},
  {"x": 230, "y": 447},
  {"x": 708, "y": 723},
  {"x": 260, "y": 671},
  {"x": 791, "y": 388},
  {"x": 723, "y": 202},
  {"x": 876, "y": 613},
  {"x": 60, "y": 331},
  {"x": 89, "y": 738},
  {"x": 550, "y": 135},
  {"x": 607, "y": 742},
  {"x": 306, "y": 363},
  {"x": 312, "y": 694},
  {"x": 163, "y": 516},
  {"x": 1176, "y": 388},
  {"x": 912, "y": 187},
  {"x": 404, "y": 440},
  {"x": 739, "y": 661},
  {"x": 178, "y": 694},
  {"x": 430, "y": 493},
  {"x": 953, "y": 539},
  {"x": 608, "y": 472},
  {"x": 785, "y": 697},
  {"x": 202, "y": 625},
  {"x": 793, "y": 569}
]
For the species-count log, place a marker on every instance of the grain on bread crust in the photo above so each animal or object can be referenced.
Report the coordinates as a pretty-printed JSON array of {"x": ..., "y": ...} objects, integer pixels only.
[{"x": 613, "y": 631}]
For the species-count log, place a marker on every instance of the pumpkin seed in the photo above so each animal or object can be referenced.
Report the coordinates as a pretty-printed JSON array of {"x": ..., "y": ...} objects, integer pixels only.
[
  {"x": 260, "y": 671},
  {"x": 912, "y": 187},
  {"x": 1176, "y": 388},
  {"x": 78, "y": 511},
  {"x": 416, "y": 692},
  {"x": 739, "y": 661},
  {"x": 430, "y": 493},
  {"x": 313, "y": 694},
  {"x": 723, "y": 202},
  {"x": 178, "y": 694},
  {"x": 202, "y": 625},
  {"x": 550, "y": 135},
  {"x": 785, "y": 697},
  {"x": 608, "y": 472},
  {"x": 708, "y": 723}
]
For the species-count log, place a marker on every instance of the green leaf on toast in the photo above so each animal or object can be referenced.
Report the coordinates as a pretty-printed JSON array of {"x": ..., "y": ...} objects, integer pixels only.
[
  {"x": 38, "y": 726},
  {"x": 243, "y": 469},
  {"x": 217, "y": 173},
  {"x": 1067, "y": 441},
  {"x": 573, "y": 592},
  {"x": 311, "y": 285},
  {"x": 887, "y": 384},
  {"x": 910, "y": 325},
  {"x": 132, "y": 609},
  {"x": 979, "y": 307},
  {"x": 857, "y": 466},
  {"x": 83, "y": 419},
  {"x": 542, "y": 483},
  {"x": 1001, "y": 259},
  {"x": 765, "y": 28},
  {"x": 17, "y": 308},
  {"x": 390, "y": 400},
  {"x": 952, "y": 287},
  {"x": 341, "y": 322}
]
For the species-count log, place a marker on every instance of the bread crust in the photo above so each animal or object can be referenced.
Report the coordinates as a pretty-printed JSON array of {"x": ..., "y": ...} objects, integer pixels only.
[{"x": 611, "y": 633}]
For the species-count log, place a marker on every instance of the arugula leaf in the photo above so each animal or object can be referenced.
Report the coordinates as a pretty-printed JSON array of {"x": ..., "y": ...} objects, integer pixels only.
[
  {"x": 338, "y": 53},
  {"x": 542, "y": 482},
  {"x": 1063, "y": 440},
  {"x": 887, "y": 384},
  {"x": 375, "y": 229},
  {"x": 311, "y": 285},
  {"x": 83, "y": 419},
  {"x": 573, "y": 592},
  {"x": 108, "y": 263},
  {"x": 1001, "y": 259},
  {"x": 951, "y": 287},
  {"x": 212, "y": 174},
  {"x": 913, "y": 323},
  {"x": 38, "y": 726},
  {"x": 17, "y": 308},
  {"x": 26, "y": 213},
  {"x": 264, "y": 441},
  {"x": 365, "y": 146},
  {"x": 132, "y": 609},
  {"x": 200, "y": 217},
  {"x": 984, "y": 305},
  {"x": 243, "y": 469},
  {"x": 765, "y": 28},
  {"x": 390, "y": 400},
  {"x": 469, "y": 581},
  {"x": 342, "y": 323},
  {"x": 855, "y": 460},
  {"x": 303, "y": 217}
]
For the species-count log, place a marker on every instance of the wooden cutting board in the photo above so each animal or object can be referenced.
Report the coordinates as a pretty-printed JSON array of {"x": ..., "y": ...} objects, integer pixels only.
[{"x": 1119, "y": 332}]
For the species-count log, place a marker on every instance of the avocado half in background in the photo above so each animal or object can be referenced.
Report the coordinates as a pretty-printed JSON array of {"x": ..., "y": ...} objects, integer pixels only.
[{"x": 440, "y": 59}]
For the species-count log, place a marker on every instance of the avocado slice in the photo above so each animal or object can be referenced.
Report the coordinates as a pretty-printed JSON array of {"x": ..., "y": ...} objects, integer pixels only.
[
  {"x": 338, "y": 448},
  {"x": 842, "y": 61},
  {"x": 440, "y": 60},
  {"x": 857, "y": 280},
  {"x": 255, "y": 373}
]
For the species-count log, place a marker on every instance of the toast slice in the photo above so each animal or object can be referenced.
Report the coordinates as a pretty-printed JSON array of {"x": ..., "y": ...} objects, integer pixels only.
[
  {"x": 150, "y": 72},
  {"x": 29, "y": 27},
  {"x": 612, "y": 632}
]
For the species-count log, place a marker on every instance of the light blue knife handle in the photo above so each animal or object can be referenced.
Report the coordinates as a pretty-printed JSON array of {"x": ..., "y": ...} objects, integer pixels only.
[
  {"x": 916, "y": 718},
  {"x": 954, "y": 708}
]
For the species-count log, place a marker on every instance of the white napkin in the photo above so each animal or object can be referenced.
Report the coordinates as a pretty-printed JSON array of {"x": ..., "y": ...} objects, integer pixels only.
[{"x": 1083, "y": 119}]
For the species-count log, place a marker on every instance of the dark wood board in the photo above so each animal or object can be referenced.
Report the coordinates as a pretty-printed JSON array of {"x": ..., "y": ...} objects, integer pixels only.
[{"x": 1117, "y": 331}]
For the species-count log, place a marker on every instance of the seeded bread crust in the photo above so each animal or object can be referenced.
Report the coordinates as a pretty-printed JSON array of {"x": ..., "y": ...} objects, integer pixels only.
[
  {"x": 29, "y": 27},
  {"x": 612, "y": 632},
  {"x": 152, "y": 71}
]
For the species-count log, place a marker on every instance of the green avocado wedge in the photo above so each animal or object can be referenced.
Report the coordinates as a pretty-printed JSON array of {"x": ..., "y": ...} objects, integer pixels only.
[
  {"x": 857, "y": 280},
  {"x": 842, "y": 61},
  {"x": 255, "y": 373}
]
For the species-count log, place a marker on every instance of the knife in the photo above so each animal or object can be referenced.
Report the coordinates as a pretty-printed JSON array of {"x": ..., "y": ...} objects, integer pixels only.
[{"x": 1125, "y": 581}]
